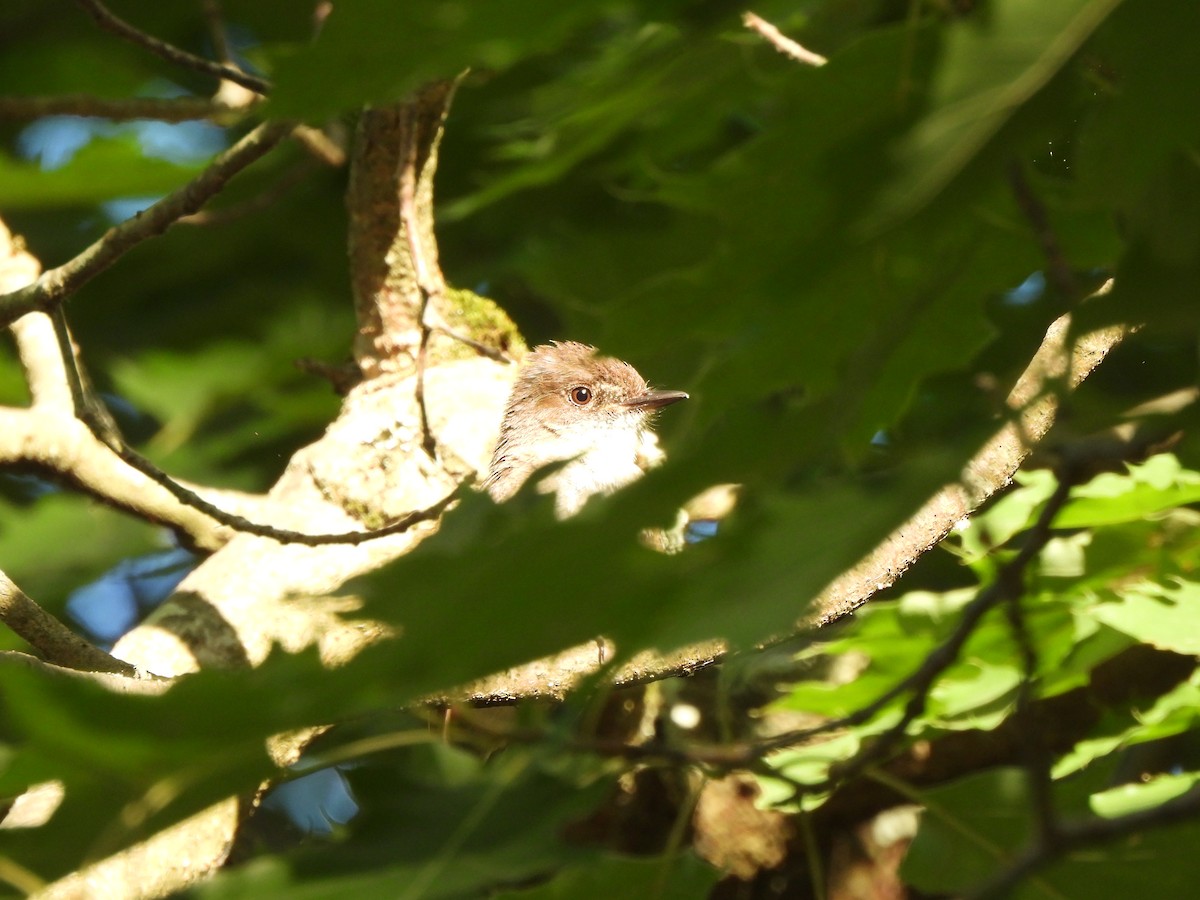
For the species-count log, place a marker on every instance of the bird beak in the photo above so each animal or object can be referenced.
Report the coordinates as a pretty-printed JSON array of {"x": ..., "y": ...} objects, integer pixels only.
[{"x": 654, "y": 399}]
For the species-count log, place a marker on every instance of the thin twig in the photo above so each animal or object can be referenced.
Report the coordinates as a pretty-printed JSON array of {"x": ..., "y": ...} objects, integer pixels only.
[
  {"x": 259, "y": 202},
  {"x": 438, "y": 323},
  {"x": 1009, "y": 578},
  {"x": 84, "y": 404},
  {"x": 751, "y": 755},
  {"x": 1036, "y": 758},
  {"x": 49, "y": 438},
  {"x": 216, "y": 30},
  {"x": 780, "y": 41},
  {"x": 50, "y": 637},
  {"x": 428, "y": 441},
  {"x": 80, "y": 409},
  {"x": 922, "y": 680},
  {"x": 282, "y": 535},
  {"x": 140, "y": 682},
  {"x": 105, "y": 18},
  {"x": 57, "y": 283},
  {"x": 328, "y": 148},
  {"x": 426, "y": 285},
  {"x": 163, "y": 109},
  {"x": 1057, "y": 267},
  {"x": 1089, "y": 833},
  {"x": 92, "y": 415}
]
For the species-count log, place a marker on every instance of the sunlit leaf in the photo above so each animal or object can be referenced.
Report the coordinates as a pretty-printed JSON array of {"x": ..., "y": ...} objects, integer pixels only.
[
  {"x": 1167, "y": 617},
  {"x": 1131, "y": 798}
]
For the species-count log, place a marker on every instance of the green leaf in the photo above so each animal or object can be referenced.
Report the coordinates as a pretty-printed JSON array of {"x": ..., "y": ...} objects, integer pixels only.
[
  {"x": 971, "y": 828},
  {"x": 808, "y": 765},
  {"x": 1139, "y": 93},
  {"x": 1174, "y": 713},
  {"x": 992, "y": 65},
  {"x": 1166, "y": 617},
  {"x": 1158, "y": 484},
  {"x": 374, "y": 52},
  {"x": 977, "y": 826},
  {"x": 978, "y": 696},
  {"x": 1015, "y": 511},
  {"x": 1141, "y": 796},
  {"x": 823, "y": 257}
]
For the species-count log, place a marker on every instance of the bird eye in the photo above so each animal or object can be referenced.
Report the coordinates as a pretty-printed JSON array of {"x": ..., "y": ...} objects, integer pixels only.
[{"x": 580, "y": 396}]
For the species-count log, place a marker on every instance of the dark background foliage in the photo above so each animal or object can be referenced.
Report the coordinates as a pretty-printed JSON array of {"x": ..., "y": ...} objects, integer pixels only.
[{"x": 835, "y": 262}]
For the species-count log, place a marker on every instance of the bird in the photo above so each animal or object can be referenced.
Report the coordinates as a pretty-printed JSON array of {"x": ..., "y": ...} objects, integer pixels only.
[{"x": 571, "y": 405}]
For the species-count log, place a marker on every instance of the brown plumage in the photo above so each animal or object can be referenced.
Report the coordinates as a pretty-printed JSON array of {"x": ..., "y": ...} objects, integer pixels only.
[{"x": 570, "y": 404}]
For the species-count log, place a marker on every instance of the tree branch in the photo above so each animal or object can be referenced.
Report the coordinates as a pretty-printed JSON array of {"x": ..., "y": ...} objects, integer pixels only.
[
  {"x": 427, "y": 274},
  {"x": 135, "y": 682},
  {"x": 1035, "y": 755},
  {"x": 216, "y": 29},
  {"x": 105, "y": 18},
  {"x": 1056, "y": 362},
  {"x": 261, "y": 201},
  {"x": 164, "y": 109},
  {"x": 780, "y": 41},
  {"x": 57, "y": 283},
  {"x": 400, "y": 294},
  {"x": 42, "y": 361},
  {"x": 989, "y": 470},
  {"x": 1034, "y": 210},
  {"x": 1089, "y": 833},
  {"x": 238, "y": 523},
  {"x": 64, "y": 446},
  {"x": 67, "y": 433},
  {"x": 50, "y": 637},
  {"x": 1009, "y": 579},
  {"x": 118, "y": 476},
  {"x": 50, "y": 437}
]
